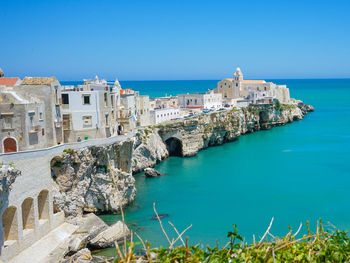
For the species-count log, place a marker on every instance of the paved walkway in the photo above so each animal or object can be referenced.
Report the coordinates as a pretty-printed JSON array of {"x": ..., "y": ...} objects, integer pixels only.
[{"x": 48, "y": 249}]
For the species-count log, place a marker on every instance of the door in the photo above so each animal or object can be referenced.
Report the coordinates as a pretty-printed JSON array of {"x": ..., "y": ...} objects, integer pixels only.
[{"x": 10, "y": 145}]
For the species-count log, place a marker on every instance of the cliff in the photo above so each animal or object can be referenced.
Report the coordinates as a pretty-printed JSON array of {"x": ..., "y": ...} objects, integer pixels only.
[
  {"x": 187, "y": 137},
  {"x": 94, "y": 179},
  {"x": 99, "y": 178}
]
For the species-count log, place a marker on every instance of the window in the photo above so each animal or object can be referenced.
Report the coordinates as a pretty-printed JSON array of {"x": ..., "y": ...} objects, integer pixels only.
[
  {"x": 106, "y": 120},
  {"x": 40, "y": 116},
  {"x": 43, "y": 132},
  {"x": 105, "y": 98},
  {"x": 236, "y": 84},
  {"x": 7, "y": 122},
  {"x": 65, "y": 98},
  {"x": 87, "y": 121},
  {"x": 86, "y": 99}
]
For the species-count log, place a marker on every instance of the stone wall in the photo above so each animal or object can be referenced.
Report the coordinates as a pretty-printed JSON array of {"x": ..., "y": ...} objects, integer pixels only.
[{"x": 29, "y": 203}]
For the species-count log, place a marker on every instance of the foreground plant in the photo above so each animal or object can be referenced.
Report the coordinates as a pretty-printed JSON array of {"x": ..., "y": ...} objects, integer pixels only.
[{"x": 322, "y": 246}]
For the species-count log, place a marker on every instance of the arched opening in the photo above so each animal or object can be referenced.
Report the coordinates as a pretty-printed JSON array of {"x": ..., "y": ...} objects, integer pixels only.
[
  {"x": 10, "y": 223},
  {"x": 28, "y": 217},
  {"x": 43, "y": 205},
  {"x": 174, "y": 146},
  {"x": 10, "y": 145}
]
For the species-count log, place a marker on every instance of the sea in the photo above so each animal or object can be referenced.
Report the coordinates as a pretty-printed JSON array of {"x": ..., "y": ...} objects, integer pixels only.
[{"x": 295, "y": 174}]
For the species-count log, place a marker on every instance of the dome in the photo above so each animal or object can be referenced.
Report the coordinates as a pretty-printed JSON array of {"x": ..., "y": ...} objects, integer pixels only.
[{"x": 238, "y": 70}]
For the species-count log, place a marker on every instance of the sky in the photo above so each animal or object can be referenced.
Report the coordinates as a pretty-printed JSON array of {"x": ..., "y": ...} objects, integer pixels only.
[{"x": 175, "y": 40}]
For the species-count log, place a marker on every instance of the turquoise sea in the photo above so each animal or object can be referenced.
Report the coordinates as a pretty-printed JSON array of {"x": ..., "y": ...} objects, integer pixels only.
[{"x": 294, "y": 173}]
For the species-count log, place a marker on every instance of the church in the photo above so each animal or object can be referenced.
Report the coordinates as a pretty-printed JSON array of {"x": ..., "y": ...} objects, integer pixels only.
[{"x": 258, "y": 91}]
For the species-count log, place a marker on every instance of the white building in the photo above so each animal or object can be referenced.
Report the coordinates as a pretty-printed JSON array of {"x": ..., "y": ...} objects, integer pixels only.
[
  {"x": 88, "y": 111},
  {"x": 162, "y": 115},
  {"x": 164, "y": 102},
  {"x": 237, "y": 87},
  {"x": 208, "y": 100}
]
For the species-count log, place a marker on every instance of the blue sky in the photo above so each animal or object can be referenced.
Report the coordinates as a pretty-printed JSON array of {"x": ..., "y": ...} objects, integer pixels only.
[{"x": 151, "y": 40}]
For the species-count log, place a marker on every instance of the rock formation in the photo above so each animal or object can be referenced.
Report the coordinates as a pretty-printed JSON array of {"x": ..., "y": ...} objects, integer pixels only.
[
  {"x": 151, "y": 172},
  {"x": 94, "y": 179},
  {"x": 149, "y": 150},
  {"x": 99, "y": 179},
  {"x": 187, "y": 137}
]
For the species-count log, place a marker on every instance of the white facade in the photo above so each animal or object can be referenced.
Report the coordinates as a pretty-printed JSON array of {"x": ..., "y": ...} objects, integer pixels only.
[
  {"x": 161, "y": 115},
  {"x": 209, "y": 100},
  {"x": 237, "y": 87},
  {"x": 78, "y": 109},
  {"x": 90, "y": 111}
]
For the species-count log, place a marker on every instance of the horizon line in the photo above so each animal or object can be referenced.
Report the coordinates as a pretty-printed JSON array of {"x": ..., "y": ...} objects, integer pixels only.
[{"x": 347, "y": 78}]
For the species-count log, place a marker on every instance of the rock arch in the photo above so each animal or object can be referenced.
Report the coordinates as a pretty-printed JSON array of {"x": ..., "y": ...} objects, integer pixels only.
[
  {"x": 43, "y": 205},
  {"x": 10, "y": 223},
  {"x": 28, "y": 215},
  {"x": 174, "y": 146}
]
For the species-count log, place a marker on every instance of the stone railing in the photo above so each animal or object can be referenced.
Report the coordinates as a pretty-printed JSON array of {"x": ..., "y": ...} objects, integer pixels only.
[{"x": 13, "y": 156}]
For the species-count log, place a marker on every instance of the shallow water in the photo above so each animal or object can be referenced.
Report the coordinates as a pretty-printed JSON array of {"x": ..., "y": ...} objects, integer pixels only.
[{"x": 294, "y": 173}]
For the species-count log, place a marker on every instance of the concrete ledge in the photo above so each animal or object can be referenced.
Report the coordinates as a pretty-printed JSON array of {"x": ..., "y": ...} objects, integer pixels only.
[
  {"x": 45, "y": 249},
  {"x": 58, "y": 219},
  {"x": 9, "y": 248},
  {"x": 43, "y": 228}
]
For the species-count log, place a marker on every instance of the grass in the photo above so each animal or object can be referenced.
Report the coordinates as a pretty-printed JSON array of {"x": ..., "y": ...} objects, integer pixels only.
[{"x": 323, "y": 245}]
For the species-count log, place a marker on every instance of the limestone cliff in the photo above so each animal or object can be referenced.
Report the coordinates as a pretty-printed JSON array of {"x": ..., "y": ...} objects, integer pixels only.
[
  {"x": 99, "y": 178},
  {"x": 187, "y": 137},
  {"x": 149, "y": 149},
  {"x": 94, "y": 179}
]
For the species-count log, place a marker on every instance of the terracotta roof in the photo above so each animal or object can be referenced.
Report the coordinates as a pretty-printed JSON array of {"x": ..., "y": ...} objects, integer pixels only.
[
  {"x": 127, "y": 91},
  {"x": 246, "y": 81},
  {"x": 38, "y": 80},
  {"x": 8, "y": 81},
  {"x": 228, "y": 79}
]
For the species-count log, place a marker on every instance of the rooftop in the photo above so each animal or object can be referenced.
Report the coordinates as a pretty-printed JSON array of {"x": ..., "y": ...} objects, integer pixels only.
[
  {"x": 8, "y": 81},
  {"x": 38, "y": 80},
  {"x": 246, "y": 81}
]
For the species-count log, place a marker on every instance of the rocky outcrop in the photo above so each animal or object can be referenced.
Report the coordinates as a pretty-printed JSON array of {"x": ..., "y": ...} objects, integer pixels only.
[
  {"x": 149, "y": 150},
  {"x": 187, "y": 137},
  {"x": 151, "y": 172},
  {"x": 94, "y": 179},
  {"x": 93, "y": 233},
  {"x": 107, "y": 237},
  {"x": 305, "y": 108}
]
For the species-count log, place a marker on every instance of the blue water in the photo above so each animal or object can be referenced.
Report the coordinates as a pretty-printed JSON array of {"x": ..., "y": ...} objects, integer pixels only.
[{"x": 294, "y": 173}]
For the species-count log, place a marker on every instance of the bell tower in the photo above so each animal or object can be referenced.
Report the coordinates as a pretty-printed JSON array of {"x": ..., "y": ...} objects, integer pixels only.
[{"x": 237, "y": 83}]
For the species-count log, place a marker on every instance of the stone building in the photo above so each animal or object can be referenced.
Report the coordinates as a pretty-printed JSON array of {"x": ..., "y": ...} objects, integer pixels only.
[
  {"x": 164, "y": 102},
  {"x": 143, "y": 110},
  {"x": 30, "y": 115},
  {"x": 134, "y": 109},
  {"x": 237, "y": 87},
  {"x": 208, "y": 100},
  {"x": 89, "y": 110}
]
